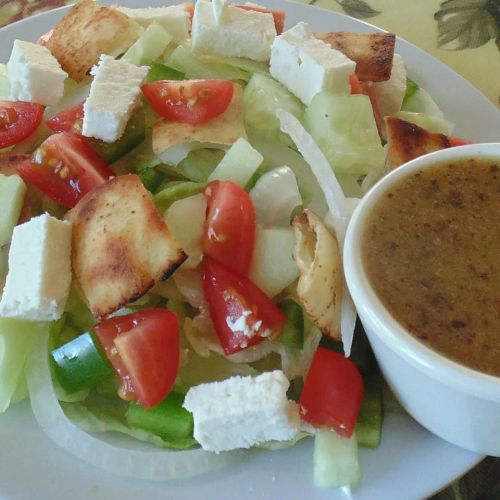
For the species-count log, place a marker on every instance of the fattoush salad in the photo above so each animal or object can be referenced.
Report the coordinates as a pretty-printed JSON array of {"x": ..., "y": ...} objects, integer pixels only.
[{"x": 175, "y": 186}]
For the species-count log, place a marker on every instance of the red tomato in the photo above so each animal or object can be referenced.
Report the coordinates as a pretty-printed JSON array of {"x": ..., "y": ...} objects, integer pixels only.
[
  {"x": 457, "y": 141},
  {"x": 230, "y": 226},
  {"x": 65, "y": 168},
  {"x": 243, "y": 315},
  {"x": 189, "y": 101},
  {"x": 68, "y": 120},
  {"x": 278, "y": 15},
  {"x": 333, "y": 392},
  {"x": 143, "y": 348},
  {"x": 18, "y": 120},
  {"x": 355, "y": 84}
]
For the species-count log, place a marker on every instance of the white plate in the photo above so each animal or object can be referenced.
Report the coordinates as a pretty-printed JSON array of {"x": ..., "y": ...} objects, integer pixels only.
[{"x": 410, "y": 463}]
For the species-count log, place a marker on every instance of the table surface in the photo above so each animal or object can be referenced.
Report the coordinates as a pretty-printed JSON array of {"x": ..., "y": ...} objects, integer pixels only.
[{"x": 465, "y": 34}]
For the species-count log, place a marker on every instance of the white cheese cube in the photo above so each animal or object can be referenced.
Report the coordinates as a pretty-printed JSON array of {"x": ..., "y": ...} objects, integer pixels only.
[
  {"x": 241, "y": 412},
  {"x": 113, "y": 94},
  {"x": 39, "y": 274},
  {"x": 174, "y": 18},
  {"x": 35, "y": 74},
  {"x": 306, "y": 65},
  {"x": 240, "y": 34}
]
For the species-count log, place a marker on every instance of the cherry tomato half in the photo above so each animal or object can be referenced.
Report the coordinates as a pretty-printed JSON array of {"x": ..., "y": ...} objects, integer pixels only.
[
  {"x": 68, "y": 120},
  {"x": 65, "y": 168},
  {"x": 230, "y": 225},
  {"x": 143, "y": 348},
  {"x": 189, "y": 101},
  {"x": 333, "y": 392},
  {"x": 18, "y": 120},
  {"x": 243, "y": 315}
]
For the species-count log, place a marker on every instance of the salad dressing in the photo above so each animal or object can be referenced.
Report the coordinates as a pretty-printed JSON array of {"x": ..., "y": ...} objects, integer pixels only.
[{"x": 431, "y": 253}]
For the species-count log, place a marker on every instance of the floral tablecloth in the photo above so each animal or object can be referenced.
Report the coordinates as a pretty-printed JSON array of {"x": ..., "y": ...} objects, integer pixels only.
[{"x": 465, "y": 34}]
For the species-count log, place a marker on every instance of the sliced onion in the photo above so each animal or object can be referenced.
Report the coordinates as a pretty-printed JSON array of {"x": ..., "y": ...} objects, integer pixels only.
[
  {"x": 340, "y": 208},
  {"x": 155, "y": 465}
]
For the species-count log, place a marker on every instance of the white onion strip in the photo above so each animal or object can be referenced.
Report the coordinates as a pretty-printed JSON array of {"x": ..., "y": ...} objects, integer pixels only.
[
  {"x": 155, "y": 465},
  {"x": 340, "y": 208}
]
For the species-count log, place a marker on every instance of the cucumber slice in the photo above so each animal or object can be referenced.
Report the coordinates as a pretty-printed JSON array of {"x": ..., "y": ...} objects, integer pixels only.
[
  {"x": 238, "y": 165},
  {"x": 335, "y": 460},
  {"x": 158, "y": 71},
  {"x": 431, "y": 123},
  {"x": 12, "y": 192},
  {"x": 149, "y": 46},
  {"x": 422, "y": 102},
  {"x": 262, "y": 97},
  {"x": 198, "y": 164},
  {"x": 345, "y": 130},
  {"x": 182, "y": 59},
  {"x": 369, "y": 424},
  {"x": 273, "y": 267}
]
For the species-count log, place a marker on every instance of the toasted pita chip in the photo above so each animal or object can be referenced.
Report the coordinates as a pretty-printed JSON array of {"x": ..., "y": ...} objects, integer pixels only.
[
  {"x": 173, "y": 141},
  {"x": 320, "y": 286},
  {"x": 87, "y": 31},
  {"x": 406, "y": 141},
  {"x": 372, "y": 52},
  {"x": 121, "y": 245}
]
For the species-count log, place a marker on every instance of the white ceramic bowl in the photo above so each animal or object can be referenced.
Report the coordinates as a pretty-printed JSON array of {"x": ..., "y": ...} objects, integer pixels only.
[{"x": 457, "y": 403}]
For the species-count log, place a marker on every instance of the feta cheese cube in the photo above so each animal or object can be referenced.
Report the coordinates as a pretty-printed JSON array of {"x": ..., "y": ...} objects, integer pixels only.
[
  {"x": 306, "y": 65},
  {"x": 241, "y": 412},
  {"x": 240, "y": 33},
  {"x": 174, "y": 18},
  {"x": 39, "y": 276},
  {"x": 34, "y": 74},
  {"x": 113, "y": 94}
]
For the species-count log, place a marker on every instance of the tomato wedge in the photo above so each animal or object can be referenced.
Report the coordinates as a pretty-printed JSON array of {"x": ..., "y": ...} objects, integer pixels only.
[
  {"x": 65, "y": 168},
  {"x": 143, "y": 348},
  {"x": 230, "y": 226},
  {"x": 243, "y": 315},
  {"x": 278, "y": 15},
  {"x": 68, "y": 120},
  {"x": 333, "y": 392},
  {"x": 18, "y": 120},
  {"x": 457, "y": 141},
  {"x": 189, "y": 101}
]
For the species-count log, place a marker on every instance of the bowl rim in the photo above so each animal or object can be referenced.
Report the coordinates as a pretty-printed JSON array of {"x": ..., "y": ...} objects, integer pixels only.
[{"x": 384, "y": 326}]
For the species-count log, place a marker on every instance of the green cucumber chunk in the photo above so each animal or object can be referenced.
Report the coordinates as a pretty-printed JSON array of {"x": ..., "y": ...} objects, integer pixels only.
[
  {"x": 262, "y": 98},
  {"x": 80, "y": 363},
  {"x": 134, "y": 134},
  {"x": 344, "y": 128},
  {"x": 335, "y": 460},
  {"x": 239, "y": 164},
  {"x": 149, "y": 46},
  {"x": 293, "y": 331},
  {"x": 158, "y": 71},
  {"x": 411, "y": 89},
  {"x": 168, "y": 419},
  {"x": 12, "y": 191},
  {"x": 369, "y": 423}
]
